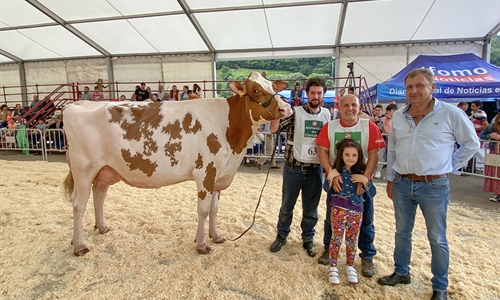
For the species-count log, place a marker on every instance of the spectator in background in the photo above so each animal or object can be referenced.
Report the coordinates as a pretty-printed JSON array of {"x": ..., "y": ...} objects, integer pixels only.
[
  {"x": 350, "y": 90},
  {"x": 463, "y": 106},
  {"x": 492, "y": 132},
  {"x": 154, "y": 97},
  {"x": 149, "y": 91},
  {"x": 264, "y": 74},
  {"x": 141, "y": 94},
  {"x": 86, "y": 95},
  {"x": 18, "y": 110},
  {"x": 184, "y": 94},
  {"x": 296, "y": 95},
  {"x": 133, "y": 97},
  {"x": 192, "y": 95},
  {"x": 197, "y": 90},
  {"x": 268, "y": 144},
  {"x": 100, "y": 85},
  {"x": 97, "y": 95},
  {"x": 35, "y": 136},
  {"x": 34, "y": 103},
  {"x": 78, "y": 96},
  {"x": 4, "y": 109},
  {"x": 175, "y": 94},
  {"x": 123, "y": 98},
  {"x": 389, "y": 112},
  {"x": 480, "y": 120},
  {"x": 160, "y": 92},
  {"x": 166, "y": 97}
]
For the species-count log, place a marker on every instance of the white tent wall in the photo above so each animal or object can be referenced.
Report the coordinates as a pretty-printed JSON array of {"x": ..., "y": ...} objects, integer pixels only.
[
  {"x": 188, "y": 69},
  {"x": 45, "y": 75},
  {"x": 10, "y": 82},
  {"x": 379, "y": 63}
]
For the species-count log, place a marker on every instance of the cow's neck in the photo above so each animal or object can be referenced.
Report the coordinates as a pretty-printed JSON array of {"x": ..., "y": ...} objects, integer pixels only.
[{"x": 241, "y": 127}]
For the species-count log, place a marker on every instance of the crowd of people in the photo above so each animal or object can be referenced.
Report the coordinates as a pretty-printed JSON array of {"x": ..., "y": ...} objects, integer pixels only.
[{"x": 145, "y": 93}]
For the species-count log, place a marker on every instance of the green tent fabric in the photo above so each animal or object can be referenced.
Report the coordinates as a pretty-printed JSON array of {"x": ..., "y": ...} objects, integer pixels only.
[{"x": 22, "y": 139}]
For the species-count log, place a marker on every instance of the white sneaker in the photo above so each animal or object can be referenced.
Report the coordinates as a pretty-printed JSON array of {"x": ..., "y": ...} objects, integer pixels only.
[
  {"x": 333, "y": 276},
  {"x": 495, "y": 198},
  {"x": 352, "y": 276},
  {"x": 377, "y": 175}
]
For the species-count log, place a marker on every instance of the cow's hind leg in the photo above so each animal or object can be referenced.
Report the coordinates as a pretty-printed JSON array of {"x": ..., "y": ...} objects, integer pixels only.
[
  {"x": 212, "y": 224},
  {"x": 203, "y": 210},
  {"x": 79, "y": 198},
  {"x": 99, "y": 192}
]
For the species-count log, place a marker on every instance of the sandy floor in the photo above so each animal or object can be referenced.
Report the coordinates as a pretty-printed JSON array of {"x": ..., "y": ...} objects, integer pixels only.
[{"x": 150, "y": 254}]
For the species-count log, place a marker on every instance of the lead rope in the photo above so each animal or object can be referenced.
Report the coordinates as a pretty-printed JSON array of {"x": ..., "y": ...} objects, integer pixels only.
[{"x": 262, "y": 190}]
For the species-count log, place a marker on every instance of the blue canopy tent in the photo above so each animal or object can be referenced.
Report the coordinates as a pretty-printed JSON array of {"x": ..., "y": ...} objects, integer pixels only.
[{"x": 457, "y": 77}]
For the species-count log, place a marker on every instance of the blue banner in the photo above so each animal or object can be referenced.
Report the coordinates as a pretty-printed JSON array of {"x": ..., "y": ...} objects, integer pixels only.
[{"x": 456, "y": 76}]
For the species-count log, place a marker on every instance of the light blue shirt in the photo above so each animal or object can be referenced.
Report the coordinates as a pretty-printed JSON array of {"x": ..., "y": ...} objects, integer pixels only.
[{"x": 428, "y": 149}]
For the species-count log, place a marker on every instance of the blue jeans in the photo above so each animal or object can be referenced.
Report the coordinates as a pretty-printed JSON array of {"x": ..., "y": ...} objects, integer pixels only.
[
  {"x": 309, "y": 183},
  {"x": 367, "y": 232},
  {"x": 433, "y": 198}
]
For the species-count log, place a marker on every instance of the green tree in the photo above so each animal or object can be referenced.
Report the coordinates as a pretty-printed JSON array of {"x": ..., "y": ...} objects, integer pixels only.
[
  {"x": 495, "y": 51},
  {"x": 225, "y": 73}
]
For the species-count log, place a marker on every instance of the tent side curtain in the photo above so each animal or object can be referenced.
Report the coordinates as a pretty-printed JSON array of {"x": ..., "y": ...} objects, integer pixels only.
[{"x": 456, "y": 76}]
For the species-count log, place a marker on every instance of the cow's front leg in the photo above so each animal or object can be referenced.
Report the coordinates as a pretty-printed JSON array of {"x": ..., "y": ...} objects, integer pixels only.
[
  {"x": 213, "y": 233},
  {"x": 203, "y": 209},
  {"x": 99, "y": 193}
]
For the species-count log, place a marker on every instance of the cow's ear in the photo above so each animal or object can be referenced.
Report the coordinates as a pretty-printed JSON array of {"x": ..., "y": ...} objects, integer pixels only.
[
  {"x": 236, "y": 87},
  {"x": 280, "y": 85}
]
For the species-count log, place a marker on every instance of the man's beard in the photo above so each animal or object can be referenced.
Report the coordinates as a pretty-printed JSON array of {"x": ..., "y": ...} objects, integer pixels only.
[{"x": 314, "y": 105}]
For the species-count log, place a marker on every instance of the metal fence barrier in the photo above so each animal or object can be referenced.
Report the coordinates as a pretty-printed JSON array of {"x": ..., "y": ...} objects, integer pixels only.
[{"x": 33, "y": 141}]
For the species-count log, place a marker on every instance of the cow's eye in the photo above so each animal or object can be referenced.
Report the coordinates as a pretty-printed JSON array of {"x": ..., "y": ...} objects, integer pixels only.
[{"x": 255, "y": 91}]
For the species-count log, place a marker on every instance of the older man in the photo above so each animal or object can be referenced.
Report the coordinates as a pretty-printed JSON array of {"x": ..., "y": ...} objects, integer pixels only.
[
  {"x": 368, "y": 135},
  {"x": 420, "y": 155}
]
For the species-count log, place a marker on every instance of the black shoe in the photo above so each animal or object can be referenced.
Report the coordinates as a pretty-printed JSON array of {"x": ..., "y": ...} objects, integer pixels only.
[
  {"x": 277, "y": 244},
  {"x": 309, "y": 246},
  {"x": 394, "y": 279},
  {"x": 439, "y": 295}
]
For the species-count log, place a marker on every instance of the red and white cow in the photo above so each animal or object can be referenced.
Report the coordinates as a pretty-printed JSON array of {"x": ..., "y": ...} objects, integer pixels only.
[{"x": 150, "y": 145}]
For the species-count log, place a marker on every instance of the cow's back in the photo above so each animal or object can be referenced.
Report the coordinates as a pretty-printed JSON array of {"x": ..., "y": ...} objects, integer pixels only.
[{"x": 147, "y": 144}]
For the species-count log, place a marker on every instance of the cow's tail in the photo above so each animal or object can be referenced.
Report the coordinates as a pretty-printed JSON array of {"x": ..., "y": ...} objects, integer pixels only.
[{"x": 68, "y": 185}]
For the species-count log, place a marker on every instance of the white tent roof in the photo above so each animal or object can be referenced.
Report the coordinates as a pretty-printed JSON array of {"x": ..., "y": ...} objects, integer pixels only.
[{"x": 37, "y": 30}]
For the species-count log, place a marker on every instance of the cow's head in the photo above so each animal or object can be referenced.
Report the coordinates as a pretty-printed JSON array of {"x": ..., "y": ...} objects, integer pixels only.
[{"x": 262, "y": 99}]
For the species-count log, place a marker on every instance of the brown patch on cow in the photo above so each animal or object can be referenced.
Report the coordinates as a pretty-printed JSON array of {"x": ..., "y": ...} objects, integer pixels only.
[
  {"x": 199, "y": 162},
  {"x": 171, "y": 149},
  {"x": 173, "y": 129},
  {"x": 188, "y": 119},
  {"x": 202, "y": 194},
  {"x": 213, "y": 144},
  {"x": 209, "y": 181},
  {"x": 132, "y": 130},
  {"x": 150, "y": 147},
  {"x": 240, "y": 129},
  {"x": 138, "y": 162},
  {"x": 116, "y": 113}
]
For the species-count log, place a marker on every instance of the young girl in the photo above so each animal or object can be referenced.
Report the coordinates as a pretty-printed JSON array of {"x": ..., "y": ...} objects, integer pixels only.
[{"x": 347, "y": 207}]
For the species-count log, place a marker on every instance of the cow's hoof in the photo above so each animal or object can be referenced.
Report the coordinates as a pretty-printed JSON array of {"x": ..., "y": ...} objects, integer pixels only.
[
  {"x": 204, "y": 251},
  {"x": 220, "y": 240},
  {"x": 103, "y": 230},
  {"x": 81, "y": 252}
]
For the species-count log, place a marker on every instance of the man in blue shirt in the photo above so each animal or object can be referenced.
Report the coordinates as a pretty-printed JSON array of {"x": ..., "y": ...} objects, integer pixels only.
[{"x": 420, "y": 155}]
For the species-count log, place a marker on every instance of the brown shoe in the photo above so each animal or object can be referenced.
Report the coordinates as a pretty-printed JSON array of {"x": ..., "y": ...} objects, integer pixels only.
[
  {"x": 275, "y": 167},
  {"x": 324, "y": 259}
]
